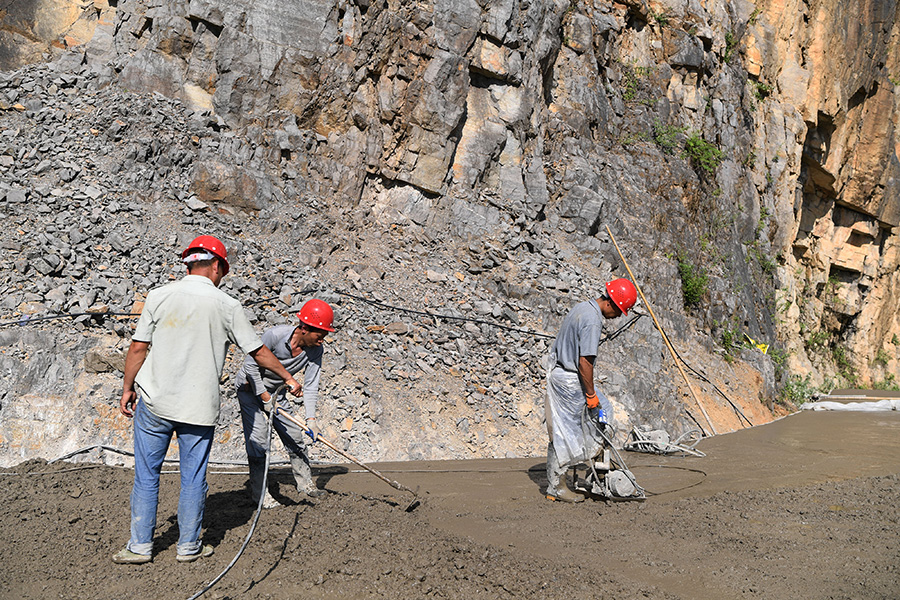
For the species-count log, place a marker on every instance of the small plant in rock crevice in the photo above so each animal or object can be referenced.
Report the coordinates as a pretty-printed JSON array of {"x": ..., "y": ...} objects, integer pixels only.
[
  {"x": 830, "y": 289},
  {"x": 694, "y": 282},
  {"x": 750, "y": 160},
  {"x": 785, "y": 306},
  {"x": 851, "y": 379},
  {"x": 761, "y": 91},
  {"x": 730, "y": 45},
  {"x": 816, "y": 340},
  {"x": 661, "y": 19},
  {"x": 797, "y": 390},
  {"x": 631, "y": 78},
  {"x": 841, "y": 359},
  {"x": 731, "y": 341},
  {"x": 703, "y": 153},
  {"x": 779, "y": 359},
  {"x": 888, "y": 383},
  {"x": 754, "y": 15},
  {"x": 632, "y": 138},
  {"x": 766, "y": 264},
  {"x": 761, "y": 222},
  {"x": 666, "y": 136}
]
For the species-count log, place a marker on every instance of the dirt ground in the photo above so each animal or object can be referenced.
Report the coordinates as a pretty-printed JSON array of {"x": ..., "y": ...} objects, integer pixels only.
[{"x": 804, "y": 507}]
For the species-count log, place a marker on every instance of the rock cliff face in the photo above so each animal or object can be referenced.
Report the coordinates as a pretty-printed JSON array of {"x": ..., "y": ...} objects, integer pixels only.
[
  {"x": 466, "y": 158},
  {"x": 832, "y": 71}
]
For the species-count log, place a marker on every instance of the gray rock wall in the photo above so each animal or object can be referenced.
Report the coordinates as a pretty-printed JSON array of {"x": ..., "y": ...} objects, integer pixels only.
[{"x": 466, "y": 160}]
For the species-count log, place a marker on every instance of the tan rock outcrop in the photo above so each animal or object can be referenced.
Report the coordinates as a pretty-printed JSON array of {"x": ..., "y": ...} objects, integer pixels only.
[
  {"x": 33, "y": 29},
  {"x": 832, "y": 62}
]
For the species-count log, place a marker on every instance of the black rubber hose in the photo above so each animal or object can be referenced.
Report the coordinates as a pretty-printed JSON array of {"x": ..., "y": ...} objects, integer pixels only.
[{"x": 259, "y": 506}]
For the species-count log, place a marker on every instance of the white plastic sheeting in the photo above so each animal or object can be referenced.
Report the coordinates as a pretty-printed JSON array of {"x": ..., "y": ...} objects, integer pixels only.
[
  {"x": 874, "y": 406},
  {"x": 574, "y": 439}
]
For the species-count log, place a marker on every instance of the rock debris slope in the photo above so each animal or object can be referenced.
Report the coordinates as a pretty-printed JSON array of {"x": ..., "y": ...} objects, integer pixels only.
[{"x": 457, "y": 160}]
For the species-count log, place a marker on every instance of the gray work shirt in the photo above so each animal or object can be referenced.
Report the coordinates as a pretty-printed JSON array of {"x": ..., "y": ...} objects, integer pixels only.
[
  {"x": 189, "y": 324},
  {"x": 579, "y": 335},
  {"x": 278, "y": 340}
]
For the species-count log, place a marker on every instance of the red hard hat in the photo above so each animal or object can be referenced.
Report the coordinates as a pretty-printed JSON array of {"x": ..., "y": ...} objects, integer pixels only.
[
  {"x": 211, "y": 245},
  {"x": 623, "y": 293},
  {"x": 317, "y": 313}
]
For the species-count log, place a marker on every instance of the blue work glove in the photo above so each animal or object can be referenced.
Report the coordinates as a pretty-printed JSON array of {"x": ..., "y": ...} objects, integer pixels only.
[{"x": 312, "y": 429}]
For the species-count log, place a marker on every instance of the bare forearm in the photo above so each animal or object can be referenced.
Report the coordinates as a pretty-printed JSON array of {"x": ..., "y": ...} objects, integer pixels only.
[
  {"x": 134, "y": 360},
  {"x": 264, "y": 358},
  {"x": 586, "y": 374}
]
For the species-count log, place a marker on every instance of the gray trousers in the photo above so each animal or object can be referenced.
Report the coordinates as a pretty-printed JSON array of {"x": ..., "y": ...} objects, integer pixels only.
[
  {"x": 256, "y": 424},
  {"x": 555, "y": 472}
]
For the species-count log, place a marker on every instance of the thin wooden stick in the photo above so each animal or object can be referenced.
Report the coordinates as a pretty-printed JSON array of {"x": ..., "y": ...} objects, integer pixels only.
[
  {"x": 390, "y": 482},
  {"x": 663, "y": 333}
]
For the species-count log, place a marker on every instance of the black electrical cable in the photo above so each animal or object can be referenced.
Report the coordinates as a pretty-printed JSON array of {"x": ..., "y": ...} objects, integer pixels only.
[
  {"x": 621, "y": 329},
  {"x": 687, "y": 487},
  {"x": 702, "y": 377},
  {"x": 54, "y": 472},
  {"x": 445, "y": 317},
  {"x": 88, "y": 448},
  {"x": 240, "y": 463},
  {"x": 383, "y": 305},
  {"x": 431, "y": 471},
  {"x": 28, "y": 319}
]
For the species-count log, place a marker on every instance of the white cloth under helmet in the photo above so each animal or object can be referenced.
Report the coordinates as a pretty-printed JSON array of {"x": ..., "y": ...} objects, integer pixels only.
[{"x": 197, "y": 256}]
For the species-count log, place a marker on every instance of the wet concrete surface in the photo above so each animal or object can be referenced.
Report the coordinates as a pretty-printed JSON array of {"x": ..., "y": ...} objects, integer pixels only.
[
  {"x": 801, "y": 449},
  {"x": 480, "y": 499},
  {"x": 802, "y": 507}
]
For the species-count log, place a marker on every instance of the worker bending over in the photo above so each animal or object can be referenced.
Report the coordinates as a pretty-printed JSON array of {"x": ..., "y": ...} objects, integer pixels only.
[
  {"x": 298, "y": 348},
  {"x": 570, "y": 386}
]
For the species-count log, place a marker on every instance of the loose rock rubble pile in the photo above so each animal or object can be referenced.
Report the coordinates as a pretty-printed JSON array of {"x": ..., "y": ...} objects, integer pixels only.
[{"x": 77, "y": 165}]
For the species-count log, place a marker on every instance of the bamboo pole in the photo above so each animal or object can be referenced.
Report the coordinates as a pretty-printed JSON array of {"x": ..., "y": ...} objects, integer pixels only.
[{"x": 663, "y": 334}]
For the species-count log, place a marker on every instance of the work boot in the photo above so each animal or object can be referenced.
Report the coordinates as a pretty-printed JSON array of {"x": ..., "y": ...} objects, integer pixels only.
[
  {"x": 303, "y": 477},
  {"x": 563, "y": 493},
  {"x": 257, "y": 472}
]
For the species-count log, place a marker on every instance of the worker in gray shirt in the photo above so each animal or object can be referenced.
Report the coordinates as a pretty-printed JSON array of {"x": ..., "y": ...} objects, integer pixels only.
[
  {"x": 570, "y": 386},
  {"x": 298, "y": 348}
]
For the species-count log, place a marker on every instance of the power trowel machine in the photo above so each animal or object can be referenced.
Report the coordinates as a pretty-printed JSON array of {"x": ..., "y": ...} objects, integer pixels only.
[{"x": 607, "y": 475}]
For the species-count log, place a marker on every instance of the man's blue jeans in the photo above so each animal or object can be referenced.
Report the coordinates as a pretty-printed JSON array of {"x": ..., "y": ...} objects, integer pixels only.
[{"x": 152, "y": 436}]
